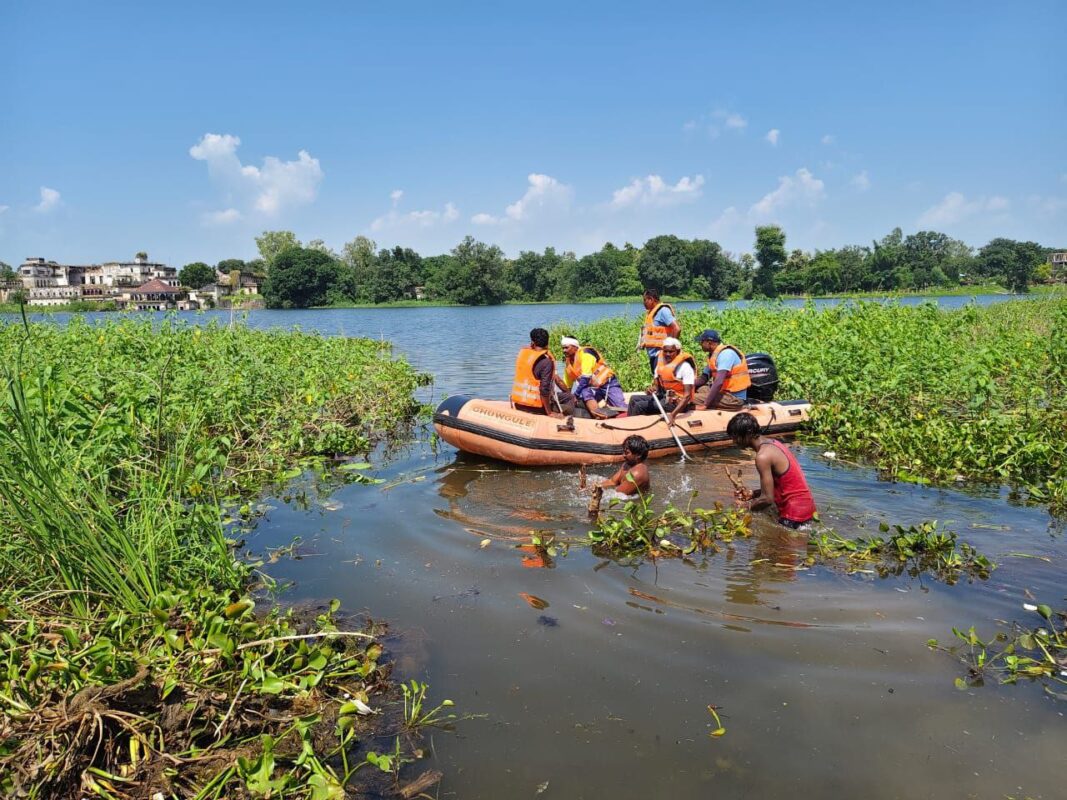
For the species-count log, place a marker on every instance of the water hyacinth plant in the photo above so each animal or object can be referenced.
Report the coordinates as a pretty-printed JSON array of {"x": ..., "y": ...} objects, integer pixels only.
[
  {"x": 925, "y": 394},
  {"x": 134, "y": 661}
]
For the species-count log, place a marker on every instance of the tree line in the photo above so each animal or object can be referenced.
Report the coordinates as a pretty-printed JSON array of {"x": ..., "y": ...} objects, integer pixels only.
[{"x": 301, "y": 275}]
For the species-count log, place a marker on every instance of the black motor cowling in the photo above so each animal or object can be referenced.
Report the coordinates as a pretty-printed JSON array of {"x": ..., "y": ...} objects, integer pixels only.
[{"x": 764, "y": 376}]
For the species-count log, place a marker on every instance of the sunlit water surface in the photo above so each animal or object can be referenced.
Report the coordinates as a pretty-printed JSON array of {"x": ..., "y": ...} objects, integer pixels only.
[{"x": 822, "y": 679}]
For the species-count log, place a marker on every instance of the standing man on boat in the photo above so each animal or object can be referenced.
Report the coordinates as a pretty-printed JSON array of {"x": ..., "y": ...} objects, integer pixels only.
[
  {"x": 589, "y": 379},
  {"x": 675, "y": 376},
  {"x": 725, "y": 380},
  {"x": 534, "y": 387},
  {"x": 660, "y": 323},
  {"x": 782, "y": 481}
]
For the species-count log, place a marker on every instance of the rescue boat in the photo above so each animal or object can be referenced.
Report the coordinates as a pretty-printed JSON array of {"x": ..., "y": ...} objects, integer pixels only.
[{"x": 494, "y": 429}]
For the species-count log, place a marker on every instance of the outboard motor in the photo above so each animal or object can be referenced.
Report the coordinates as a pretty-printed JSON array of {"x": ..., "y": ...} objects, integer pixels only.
[{"x": 764, "y": 377}]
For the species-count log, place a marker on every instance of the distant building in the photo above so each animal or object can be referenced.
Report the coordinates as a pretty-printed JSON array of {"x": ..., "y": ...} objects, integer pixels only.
[
  {"x": 156, "y": 295},
  {"x": 1058, "y": 264},
  {"x": 48, "y": 283}
]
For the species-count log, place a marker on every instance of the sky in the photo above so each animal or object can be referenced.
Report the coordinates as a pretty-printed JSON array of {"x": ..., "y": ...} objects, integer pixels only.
[{"x": 185, "y": 129}]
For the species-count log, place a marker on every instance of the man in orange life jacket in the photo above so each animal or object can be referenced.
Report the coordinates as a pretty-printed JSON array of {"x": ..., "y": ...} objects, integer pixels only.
[
  {"x": 534, "y": 387},
  {"x": 781, "y": 480},
  {"x": 675, "y": 375},
  {"x": 724, "y": 382},
  {"x": 589, "y": 378},
  {"x": 660, "y": 323}
]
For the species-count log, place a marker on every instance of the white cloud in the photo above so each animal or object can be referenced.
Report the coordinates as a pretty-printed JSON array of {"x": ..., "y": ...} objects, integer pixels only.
[
  {"x": 1047, "y": 206},
  {"x": 654, "y": 191},
  {"x": 716, "y": 121},
  {"x": 861, "y": 181},
  {"x": 269, "y": 189},
  {"x": 226, "y": 217},
  {"x": 50, "y": 199},
  {"x": 802, "y": 188},
  {"x": 828, "y": 139},
  {"x": 396, "y": 195},
  {"x": 732, "y": 120},
  {"x": 772, "y": 136},
  {"x": 4, "y": 208},
  {"x": 544, "y": 193},
  {"x": 416, "y": 219},
  {"x": 727, "y": 222},
  {"x": 955, "y": 207}
]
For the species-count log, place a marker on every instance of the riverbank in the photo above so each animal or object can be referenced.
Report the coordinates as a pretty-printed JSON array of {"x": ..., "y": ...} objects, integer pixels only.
[
  {"x": 125, "y": 601},
  {"x": 976, "y": 394}
]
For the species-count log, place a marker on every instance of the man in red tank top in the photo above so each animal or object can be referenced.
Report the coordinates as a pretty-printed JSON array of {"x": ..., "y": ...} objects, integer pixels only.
[{"x": 781, "y": 477}]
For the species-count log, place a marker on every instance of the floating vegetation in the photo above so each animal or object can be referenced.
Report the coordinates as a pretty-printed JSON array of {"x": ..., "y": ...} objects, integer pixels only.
[
  {"x": 634, "y": 528},
  {"x": 926, "y": 395},
  {"x": 134, "y": 661},
  {"x": 915, "y": 549},
  {"x": 1034, "y": 653}
]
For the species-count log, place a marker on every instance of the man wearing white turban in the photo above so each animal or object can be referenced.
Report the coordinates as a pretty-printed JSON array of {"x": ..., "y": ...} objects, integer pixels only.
[{"x": 675, "y": 376}]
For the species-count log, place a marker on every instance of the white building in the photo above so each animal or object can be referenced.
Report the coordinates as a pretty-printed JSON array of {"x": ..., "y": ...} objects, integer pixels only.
[{"x": 49, "y": 283}]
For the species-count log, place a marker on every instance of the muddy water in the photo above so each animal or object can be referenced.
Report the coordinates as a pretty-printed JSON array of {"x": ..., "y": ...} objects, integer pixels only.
[{"x": 822, "y": 679}]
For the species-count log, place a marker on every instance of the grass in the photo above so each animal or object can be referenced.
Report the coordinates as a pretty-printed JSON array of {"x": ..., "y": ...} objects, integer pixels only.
[
  {"x": 927, "y": 395},
  {"x": 123, "y": 604}
]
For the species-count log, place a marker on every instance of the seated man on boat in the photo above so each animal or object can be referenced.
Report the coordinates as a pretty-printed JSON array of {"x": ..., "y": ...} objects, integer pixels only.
[
  {"x": 660, "y": 323},
  {"x": 673, "y": 387},
  {"x": 589, "y": 379},
  {"x": 534, "y": 387},
  {"x": 782, "y": 481},
  {"x": 725, "y": 380},
  {"x": 631, "y": 479}
]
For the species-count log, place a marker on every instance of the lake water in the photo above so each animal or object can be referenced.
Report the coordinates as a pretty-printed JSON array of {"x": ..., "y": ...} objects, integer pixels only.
[{"x": 822, "y": 679}]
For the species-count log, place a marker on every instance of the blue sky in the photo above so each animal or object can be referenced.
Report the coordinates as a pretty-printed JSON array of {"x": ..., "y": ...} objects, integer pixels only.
[{"x": 186, "y": 128}]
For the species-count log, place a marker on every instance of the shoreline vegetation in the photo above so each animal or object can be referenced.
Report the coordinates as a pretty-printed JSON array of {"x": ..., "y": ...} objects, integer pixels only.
[
  {"x": 936, "y": 291},
  {"x": 144, "y": 654},
  {"x": 926, "y": 395}
]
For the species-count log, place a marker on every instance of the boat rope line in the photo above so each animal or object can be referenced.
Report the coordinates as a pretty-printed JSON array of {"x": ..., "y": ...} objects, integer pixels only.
[{"x": 590, "y": 448}]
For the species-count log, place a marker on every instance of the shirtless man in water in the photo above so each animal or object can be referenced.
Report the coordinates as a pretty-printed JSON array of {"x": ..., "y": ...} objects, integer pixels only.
[{"x": 631, "y": 478}]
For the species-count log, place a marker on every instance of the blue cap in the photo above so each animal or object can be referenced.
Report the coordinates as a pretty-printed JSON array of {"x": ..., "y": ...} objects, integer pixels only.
[{"x": 709, "y": 334}]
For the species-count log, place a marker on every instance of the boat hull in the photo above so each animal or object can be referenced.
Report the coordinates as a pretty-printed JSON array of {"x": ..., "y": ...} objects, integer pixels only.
[{"x": 492, "y": 428}]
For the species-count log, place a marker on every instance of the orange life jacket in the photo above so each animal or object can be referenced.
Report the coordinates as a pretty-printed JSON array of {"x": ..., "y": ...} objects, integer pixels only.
[
  {"x": 602, "y": 373},
  {"x": 665, "y": 372},
  {"x": 738, "y": 380},
  {"x": 652, "y": 335},
  {"x": 526, "y": 388}
]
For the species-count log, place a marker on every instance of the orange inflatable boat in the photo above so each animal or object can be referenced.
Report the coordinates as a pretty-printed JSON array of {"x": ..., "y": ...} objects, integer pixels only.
[{"x": 493, "y": 428}]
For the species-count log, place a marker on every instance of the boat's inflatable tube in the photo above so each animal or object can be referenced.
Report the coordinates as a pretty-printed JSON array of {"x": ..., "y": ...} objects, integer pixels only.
[{"x": 493, "y": 428}]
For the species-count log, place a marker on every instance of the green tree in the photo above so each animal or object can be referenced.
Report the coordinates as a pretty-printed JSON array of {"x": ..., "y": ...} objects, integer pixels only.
[
  {"x": 142, "y": 255},
  {"x": 530, "y": 275},
  {"x": 196, "y": 275},
  {"x": 319, "y": 244},
  {"x": 770, "y": 253},
  {"x": 628, "y": 282},
  {"x": 664, "y": 265},
  {"x": 228, "y": 265},
  {"x": 359, "y": 258},
  {"x": 823, "y": 273},
  {"x": 300, "y": 278},
  {"x": 1011, "y": 262},
  {"x": 271, "y": 243},
  {"x": 886, "y": 267},
  {"x": 6, "y": 272},
  {"x": 793, "y": 276},
  {"x": 475, "y": 276}
]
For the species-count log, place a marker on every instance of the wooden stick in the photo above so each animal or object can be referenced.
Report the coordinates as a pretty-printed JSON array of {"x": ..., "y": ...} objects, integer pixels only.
[{"x": 594, "y": 502}]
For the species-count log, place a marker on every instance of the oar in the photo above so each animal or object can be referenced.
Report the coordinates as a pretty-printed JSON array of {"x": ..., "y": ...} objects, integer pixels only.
[{"x": 663, "y": 413}]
